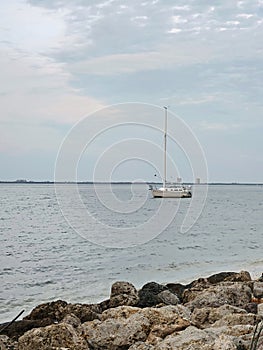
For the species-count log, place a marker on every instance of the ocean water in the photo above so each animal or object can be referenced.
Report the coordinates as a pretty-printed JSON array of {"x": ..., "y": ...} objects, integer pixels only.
[{"x": 44, "y": 258}]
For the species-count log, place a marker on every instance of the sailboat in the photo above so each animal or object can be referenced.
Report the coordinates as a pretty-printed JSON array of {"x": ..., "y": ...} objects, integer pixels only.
[{"x": 169, "y": 190}]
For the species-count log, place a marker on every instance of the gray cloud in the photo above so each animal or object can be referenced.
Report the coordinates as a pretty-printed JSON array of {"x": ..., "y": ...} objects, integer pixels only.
[{"x": 203, "y": 59}]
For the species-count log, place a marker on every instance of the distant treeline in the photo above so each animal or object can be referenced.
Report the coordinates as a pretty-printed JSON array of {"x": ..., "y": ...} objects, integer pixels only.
[{"x": 121, "y": 183}]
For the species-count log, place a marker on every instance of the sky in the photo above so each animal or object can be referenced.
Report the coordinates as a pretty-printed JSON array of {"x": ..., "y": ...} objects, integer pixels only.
[{"x": 65, "y": 60}]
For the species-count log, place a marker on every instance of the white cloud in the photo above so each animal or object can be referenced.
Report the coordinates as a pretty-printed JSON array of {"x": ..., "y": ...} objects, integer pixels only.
[
  {"x": 30, "y": 28},
  {"x": 244, "y": 15}
]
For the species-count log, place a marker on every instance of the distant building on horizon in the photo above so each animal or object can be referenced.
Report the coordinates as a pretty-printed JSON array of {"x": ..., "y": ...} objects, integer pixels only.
[
  {"x": 179, "y": 180},
  {"x": 198, "y": 181}
]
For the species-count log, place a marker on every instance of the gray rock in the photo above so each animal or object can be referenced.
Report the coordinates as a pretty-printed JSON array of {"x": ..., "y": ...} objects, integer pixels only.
[{"x": 168, "y": 298}]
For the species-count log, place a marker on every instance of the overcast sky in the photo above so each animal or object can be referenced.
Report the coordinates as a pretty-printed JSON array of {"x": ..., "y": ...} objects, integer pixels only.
[{"x": 63, "y": 59}]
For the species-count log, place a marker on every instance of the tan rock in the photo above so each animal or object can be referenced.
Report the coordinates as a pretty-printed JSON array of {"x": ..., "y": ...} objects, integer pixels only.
[
  {"x": 191, "y": 338},
  {"x": 224, "y": 342},
  {"x": 56, "y": 336},
  {"x": 120, "y": 312},
  {"x": 204, "y": 317},
  {"x": 236, "y": 319},
  {"x": 231, "y": 293},
  {"x": 164, "y": 321},
  {"x": 116, "y": 333}
]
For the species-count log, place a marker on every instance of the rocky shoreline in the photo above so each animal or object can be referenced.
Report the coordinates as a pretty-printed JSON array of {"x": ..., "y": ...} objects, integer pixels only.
[{"x": 220, "y": 312}]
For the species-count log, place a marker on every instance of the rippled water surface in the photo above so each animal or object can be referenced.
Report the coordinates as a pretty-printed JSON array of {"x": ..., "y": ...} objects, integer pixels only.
[{"x": 43, "y": 258}]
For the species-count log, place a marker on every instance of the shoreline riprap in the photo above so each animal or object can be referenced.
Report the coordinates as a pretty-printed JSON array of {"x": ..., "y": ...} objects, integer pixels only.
[{"x": 213, "y": 313}]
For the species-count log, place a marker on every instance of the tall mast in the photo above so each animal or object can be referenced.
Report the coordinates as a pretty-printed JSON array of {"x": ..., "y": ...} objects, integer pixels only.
[{"x": 165, "y": 146}]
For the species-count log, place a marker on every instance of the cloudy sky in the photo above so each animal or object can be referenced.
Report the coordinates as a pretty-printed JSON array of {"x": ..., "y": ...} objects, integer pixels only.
[{"x": 61, "y": 60}]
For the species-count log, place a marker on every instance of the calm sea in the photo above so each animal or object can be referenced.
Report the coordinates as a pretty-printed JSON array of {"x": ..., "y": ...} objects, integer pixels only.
[{"x": 42, "y": 258}]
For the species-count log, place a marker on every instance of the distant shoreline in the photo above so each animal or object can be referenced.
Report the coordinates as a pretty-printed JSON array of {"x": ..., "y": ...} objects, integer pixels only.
[{"x": 29, "y": 182}]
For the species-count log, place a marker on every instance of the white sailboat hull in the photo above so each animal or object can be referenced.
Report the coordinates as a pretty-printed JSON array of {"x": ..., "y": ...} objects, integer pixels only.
[{"x": 171, "y": 193}]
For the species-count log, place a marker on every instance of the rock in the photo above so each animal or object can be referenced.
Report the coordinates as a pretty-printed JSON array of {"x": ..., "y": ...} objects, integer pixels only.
[
  {"x": 168, "y": 298},
  {"x": 242, "y": 276},
  {"x": 116, "y": 333},
  {"x": 123, "y": 312},
  {"x": 104, "y": 305},
  {"x": 191, "y": 338},
  {"x": 258, "y": 290},
  {"x": 231, "y": 293},
  {"x": 225, "y": 342},
  {"x": 163, "y": 321},
  {"x": 235, "y": 320},
  {"x": 251, "y": 308},
  {"x": 207, "y": 316},
  {"x": 220, "y": 277},
  {"x": 7, "y": 343},
  {"x": 54, "y": 310},
  {"x": 199, "y": 284},
  {"x": 53, "y": 337},
  {"x": 2, "y": 345},
  {"x": 18, "y": 328},
  {"x": 57, "y": 310},
  {"x": 123, "y": 293},
  {"x": 260, "y": 310},
  {"x": 216, "y": 313},
  {"x": 124, "y": 326},
  {"x": 72, "y": 319},
  {"x": 85, "y": 312},
  {"x": 177, "y": 289},
  {"x": 148, "y": 295}
]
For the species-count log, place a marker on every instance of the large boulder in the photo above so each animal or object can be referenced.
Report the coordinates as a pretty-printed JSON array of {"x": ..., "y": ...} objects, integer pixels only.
[
  {"x": 116, "y": 333},
  {"x": 54, "y": 310},
  {"x": 164, "y": 321},
  {"x": 124, "y": 326},
  {"x": 148, "y": 295},
  {"x": 53, "y": 337},
  {"x": 190, "y": 338},
  {"x": 242, "y": 276},
  {"x": 123, "y": 293},
  {"x": 85, "y": 312},
  {"x": 231, "y": 293},
  {"x": 207, "y": 316}
]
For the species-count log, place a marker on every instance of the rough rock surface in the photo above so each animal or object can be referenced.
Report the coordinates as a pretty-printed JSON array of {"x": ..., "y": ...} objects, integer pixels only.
[
  {"x": 231, "y": 293},
  {"x": 219, "y": 312},
  {"x": 123, "y": 293},
  {"x": 56, "y": 336},
  {"x": 148, "y": 295}
]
